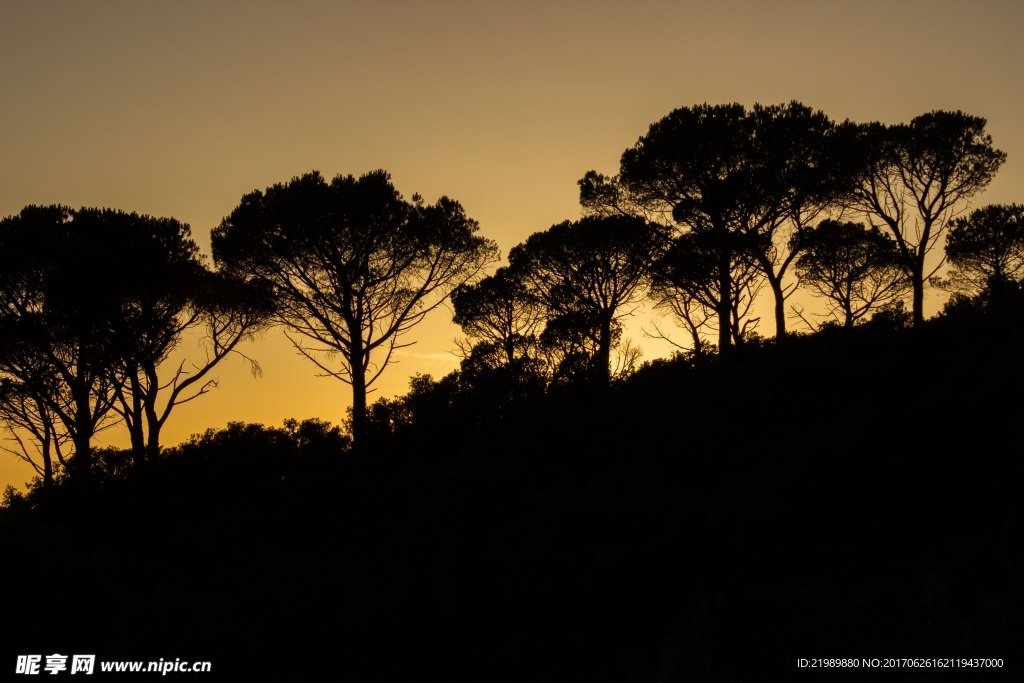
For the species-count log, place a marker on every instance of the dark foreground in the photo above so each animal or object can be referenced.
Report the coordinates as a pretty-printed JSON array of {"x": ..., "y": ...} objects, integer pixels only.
[{"x": 850, "y": 496}]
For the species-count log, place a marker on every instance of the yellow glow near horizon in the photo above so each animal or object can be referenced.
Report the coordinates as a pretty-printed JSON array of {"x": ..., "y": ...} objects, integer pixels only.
[{"x": 178, "y": 109}]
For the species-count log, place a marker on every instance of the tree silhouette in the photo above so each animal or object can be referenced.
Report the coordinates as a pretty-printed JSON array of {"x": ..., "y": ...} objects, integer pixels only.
[
  {"x": 93, "y": 301},
  {"x": 587, "y": 273},
  {"x": 854, "y": 268},
  {"x": 24, "y": 410},
  {"x": 723, "y": 170},
  {"x": 178, "y": 295},
  {"x": 30, "y": 388},
  {"x": 915, "y": 178},
  {"x": 811, "y": 176},
  {"x": 501, "y": 313},
  {"x": 688, "y": 283},
  {"x": 985, "y": 249},
  {"x": 689, "y": 311},
  {"x": 353, "y": 265},
  {"x": 62, "y": 305}
]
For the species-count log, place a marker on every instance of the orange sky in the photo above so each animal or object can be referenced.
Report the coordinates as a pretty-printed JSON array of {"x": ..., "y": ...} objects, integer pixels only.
[{"x": 179, "y": 108}]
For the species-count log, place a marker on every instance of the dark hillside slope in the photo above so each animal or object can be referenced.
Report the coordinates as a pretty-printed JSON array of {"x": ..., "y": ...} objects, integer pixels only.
[{"x": 854, "y": 494}]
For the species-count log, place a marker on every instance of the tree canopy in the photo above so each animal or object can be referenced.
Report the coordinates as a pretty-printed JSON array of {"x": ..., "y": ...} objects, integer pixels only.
[
  {"x": 587, "y": 273},
  {"x": 501, "y": 313},
  {"x": 354, "y": 267},
  {"x": 855, "y": 268},
  {"x": 916, "y": 177},
  {"x": 93, "y": 300},
  {"x": 986, "y": 248},
  {"x": 725, "y": 170}
]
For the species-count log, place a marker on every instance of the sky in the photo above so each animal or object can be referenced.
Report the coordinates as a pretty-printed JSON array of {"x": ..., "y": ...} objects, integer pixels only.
[{"x": 178, "y": 109}]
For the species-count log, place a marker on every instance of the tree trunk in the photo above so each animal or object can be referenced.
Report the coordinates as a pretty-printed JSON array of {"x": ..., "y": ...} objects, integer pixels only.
[
  {"x": 153, "y": 444},
  {"x": 152, "y": 449},
  {"x": 780, "y": 308},
  {"x": 47, "y": 464},
  {"x": 725, "y": 302},
  {"x": 917, "y": 276},
  {"x": 359, "y": 426},
  {"x": 358, "y": 366},
  {"x": 47, "y": 441},
  {"x": 83, "y": 455},
  {"x": 82, "y": 435},
  {"x": 918, "y": 298},
  {"x": 138, "y": 443},
  {"x": 604, "y": 351},
  {"x": 134, "y": 422}
]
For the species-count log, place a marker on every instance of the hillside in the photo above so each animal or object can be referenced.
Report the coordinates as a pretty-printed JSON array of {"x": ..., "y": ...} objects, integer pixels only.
[{"x": 851, "y": 494}]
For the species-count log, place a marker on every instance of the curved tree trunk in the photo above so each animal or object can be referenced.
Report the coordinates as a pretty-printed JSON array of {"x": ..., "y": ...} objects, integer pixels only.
[
  {"x": 133, "y": 419},
  {"x": 81, "y": 435},
  {"x": 152, "y": 419},
  {"x": 725, "y": 302},
  {"x": 604, "y": 351},
  {"x": 780, "y": 307},
  {"x": 357, "y": 362},
  {"x": 918, "y": 280}
]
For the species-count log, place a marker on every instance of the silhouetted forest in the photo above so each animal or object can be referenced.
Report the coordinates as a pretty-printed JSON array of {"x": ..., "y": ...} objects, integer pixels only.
[
  {"x": 574, "y": 536},
  {"x": 554, "y": 510}
]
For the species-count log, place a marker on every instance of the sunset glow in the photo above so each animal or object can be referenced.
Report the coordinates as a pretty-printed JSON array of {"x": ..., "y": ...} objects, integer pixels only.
[{"x": 179, "y": 109}]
